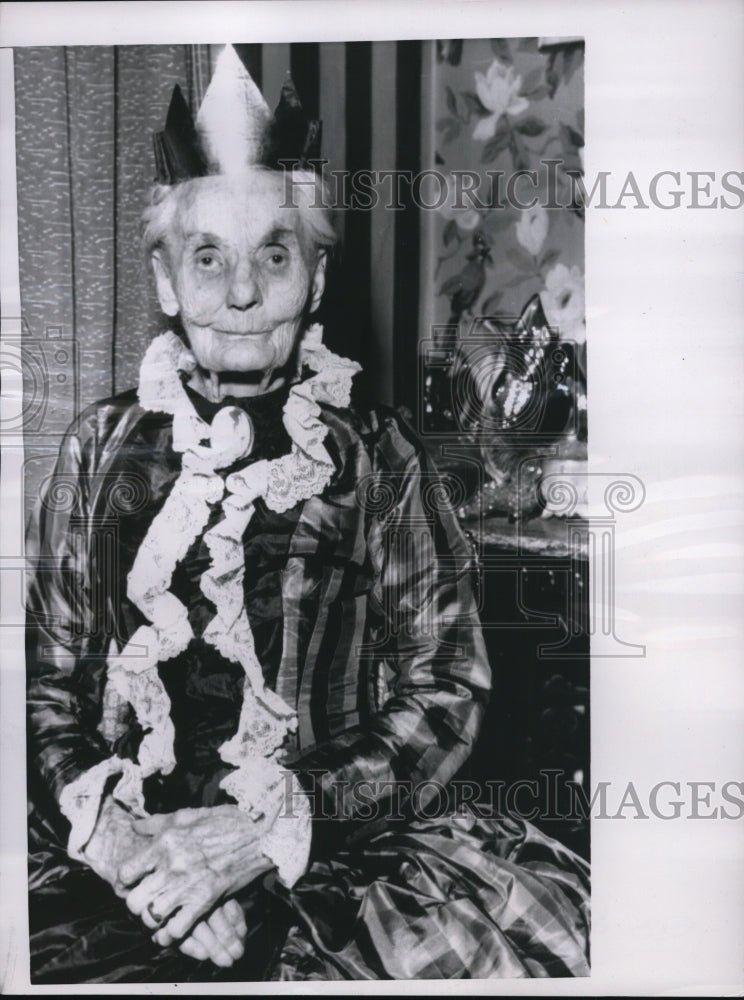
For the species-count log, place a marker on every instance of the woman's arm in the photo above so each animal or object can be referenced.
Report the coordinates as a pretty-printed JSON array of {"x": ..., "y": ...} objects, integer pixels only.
[
  {"x": 426, "y": 728},
  {"x": 70, "y": 625},
  {"x": 65, "y": 663}
]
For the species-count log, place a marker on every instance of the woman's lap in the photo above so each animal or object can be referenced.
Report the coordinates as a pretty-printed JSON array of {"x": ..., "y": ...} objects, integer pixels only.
[{"x": 456, "y": 897}]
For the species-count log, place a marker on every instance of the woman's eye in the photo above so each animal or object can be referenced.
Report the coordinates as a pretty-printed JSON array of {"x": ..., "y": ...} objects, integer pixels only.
[
  {"x": 207, "y": 261},
  {"x": 277, "y": 258}
]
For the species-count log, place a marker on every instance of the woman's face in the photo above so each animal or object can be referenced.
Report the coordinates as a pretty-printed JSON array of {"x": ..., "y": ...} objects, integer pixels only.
[{"x": 240, "y": 272}]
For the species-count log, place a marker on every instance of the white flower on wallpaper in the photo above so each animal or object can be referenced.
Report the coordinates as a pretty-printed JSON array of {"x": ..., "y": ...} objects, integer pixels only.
[
  {"x": 563, "y": 302},
  {"x": 457, "y": 209},
  {"x": 498, "y": 92},
  {"x": 532, "y": 229},
  {"x": 502, "y": 108}
]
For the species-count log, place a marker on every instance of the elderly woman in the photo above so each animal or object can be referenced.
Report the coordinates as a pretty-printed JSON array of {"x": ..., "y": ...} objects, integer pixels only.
[{"x": 239, "y": 707}]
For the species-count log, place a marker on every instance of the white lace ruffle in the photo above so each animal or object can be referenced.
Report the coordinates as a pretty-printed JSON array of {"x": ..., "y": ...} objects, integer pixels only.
[
  {"x": 289, "y": 840},
  {"x": 261, "y": 787},
  {"x": 80, "y": 801},
  {"x": 265, "y": 719}
]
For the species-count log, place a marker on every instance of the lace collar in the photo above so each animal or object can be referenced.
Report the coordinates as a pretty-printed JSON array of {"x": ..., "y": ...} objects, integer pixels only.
[{"x": 132, "y": 675}]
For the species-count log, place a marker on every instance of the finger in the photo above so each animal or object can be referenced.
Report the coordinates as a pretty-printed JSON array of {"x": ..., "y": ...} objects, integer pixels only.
[
  {"x": 174, "y": 893},
  {"x": 156, "y": 913},
  {"x": 234, "y": 913},
  {"x": 164, "y": 938},
  {"x": 146, "y": 891},
  {"x": 152, "y": 825},
  {"x": 187, "y": 817},
  {"x": 193, "y": 949},
  {"x": 135, "y": 868},
  {"x": 218, "y": 953},
  {"x": 181, "y": 923},
  {"x": 225, "y": 933},
  {"x": 149, "y": 920},
  {"x": 203, "y": 938}
]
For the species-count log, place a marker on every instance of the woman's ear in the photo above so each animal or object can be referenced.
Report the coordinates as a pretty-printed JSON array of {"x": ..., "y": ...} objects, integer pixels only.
[
  {"x": 318, "y": 284},
  {"x": 166, "y": 295}
]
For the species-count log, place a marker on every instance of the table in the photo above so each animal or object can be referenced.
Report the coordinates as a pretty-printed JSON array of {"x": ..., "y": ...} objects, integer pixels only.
[{"x": 534, "y": 583}]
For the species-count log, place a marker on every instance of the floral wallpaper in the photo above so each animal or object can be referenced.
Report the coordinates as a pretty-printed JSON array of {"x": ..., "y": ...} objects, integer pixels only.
[
  {"x": 502, "y": 106},
  {"x": 509, "y": 306}
]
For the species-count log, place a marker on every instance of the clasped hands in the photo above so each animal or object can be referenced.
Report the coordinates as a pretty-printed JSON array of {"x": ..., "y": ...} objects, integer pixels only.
[{"x": 178, "y": 873}]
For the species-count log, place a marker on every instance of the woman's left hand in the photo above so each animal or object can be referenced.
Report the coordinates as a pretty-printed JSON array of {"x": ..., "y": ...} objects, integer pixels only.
[
  {"x": 218, "y": 938},
  {"x": 197, "y": 857}
]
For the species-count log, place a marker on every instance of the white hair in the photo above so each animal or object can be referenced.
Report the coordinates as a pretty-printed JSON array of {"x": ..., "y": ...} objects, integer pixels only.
[{"x": 305, "y": 191}]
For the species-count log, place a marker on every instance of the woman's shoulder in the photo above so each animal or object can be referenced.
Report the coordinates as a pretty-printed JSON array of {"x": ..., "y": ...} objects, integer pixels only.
[
  {"x": 106, "y": 408},
  {"x": 386, "y": 433},
  {"x": 113, "y": 417}
]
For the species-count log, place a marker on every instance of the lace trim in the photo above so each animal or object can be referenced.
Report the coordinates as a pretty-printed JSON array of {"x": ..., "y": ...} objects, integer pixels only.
[
  {"x": 288, "y": 841},
  {"x": 80, "y": 801},
  {"x": 265, "y": 719},
  {"x": 260, "y": 787}
]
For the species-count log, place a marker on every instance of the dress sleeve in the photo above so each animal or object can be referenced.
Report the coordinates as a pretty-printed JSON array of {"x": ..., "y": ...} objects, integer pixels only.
[
  {"x": 426, "y": 728},
  {"x": 65, "y": 658}
]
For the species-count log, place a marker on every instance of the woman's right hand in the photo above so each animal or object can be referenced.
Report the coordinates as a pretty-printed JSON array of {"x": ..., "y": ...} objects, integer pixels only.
[
  {"x": 218, "y": 938},
  {"x": 113, "y": 841}
]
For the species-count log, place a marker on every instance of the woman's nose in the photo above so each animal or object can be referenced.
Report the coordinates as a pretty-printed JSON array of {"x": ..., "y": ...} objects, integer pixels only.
[{"x": 244, "y": 292}]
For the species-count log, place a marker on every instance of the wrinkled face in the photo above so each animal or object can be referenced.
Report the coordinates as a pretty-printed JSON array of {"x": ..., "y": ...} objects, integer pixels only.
[{"x": 240, "y": 272}]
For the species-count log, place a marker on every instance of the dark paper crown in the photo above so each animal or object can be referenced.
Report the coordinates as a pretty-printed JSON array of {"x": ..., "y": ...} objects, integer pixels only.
[{"x": 234, "y": 128}]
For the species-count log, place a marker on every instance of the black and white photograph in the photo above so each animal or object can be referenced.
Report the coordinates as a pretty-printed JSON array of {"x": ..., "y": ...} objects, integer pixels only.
[{"x": 345, "y": 633}]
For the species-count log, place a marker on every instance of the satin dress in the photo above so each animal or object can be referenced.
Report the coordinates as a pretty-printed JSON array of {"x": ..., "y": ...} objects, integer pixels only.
[{"x": 337, "y": 612}]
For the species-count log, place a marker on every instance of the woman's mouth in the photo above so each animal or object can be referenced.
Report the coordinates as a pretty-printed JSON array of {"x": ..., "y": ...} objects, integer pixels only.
[{"x": 240, "y": 333}]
